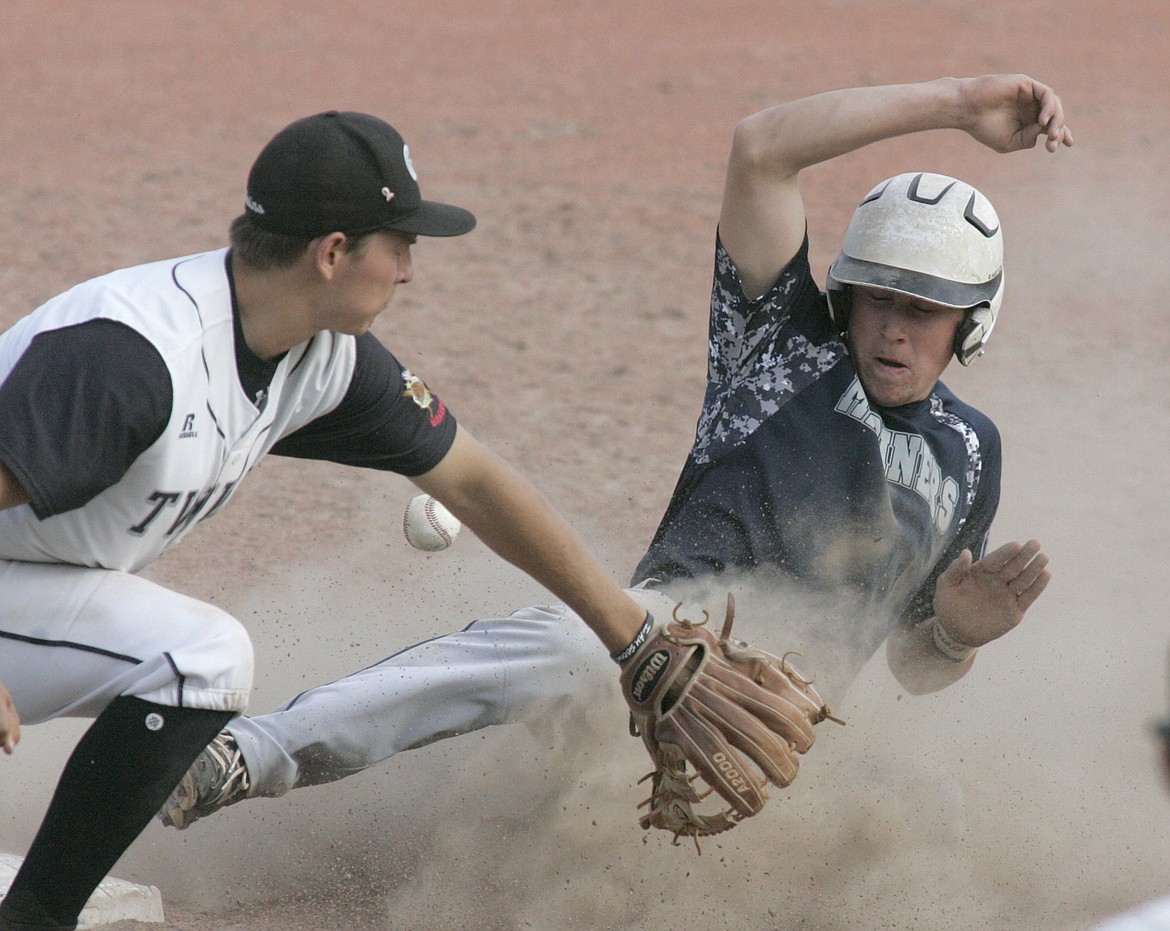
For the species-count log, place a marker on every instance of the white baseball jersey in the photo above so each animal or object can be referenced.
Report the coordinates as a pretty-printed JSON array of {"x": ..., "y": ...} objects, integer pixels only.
[
  {"x": 130, "y": 409},
  {"x": 215, "y": 434}
]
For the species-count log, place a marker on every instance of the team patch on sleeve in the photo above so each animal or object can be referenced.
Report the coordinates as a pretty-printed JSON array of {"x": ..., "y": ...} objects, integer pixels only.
[{"x": 417, "y": 391}]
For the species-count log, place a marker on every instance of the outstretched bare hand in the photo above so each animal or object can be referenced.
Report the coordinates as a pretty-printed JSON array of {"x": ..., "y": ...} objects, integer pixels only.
[{"x": 977, "y": 602}]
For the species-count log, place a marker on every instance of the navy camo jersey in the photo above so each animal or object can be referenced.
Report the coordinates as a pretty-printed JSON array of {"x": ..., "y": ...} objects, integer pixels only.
[{"x": 794, "y": 473}]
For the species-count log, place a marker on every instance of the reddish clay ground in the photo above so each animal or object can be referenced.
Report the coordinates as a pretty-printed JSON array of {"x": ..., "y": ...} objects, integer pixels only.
[{"x": 569, "y": 332}]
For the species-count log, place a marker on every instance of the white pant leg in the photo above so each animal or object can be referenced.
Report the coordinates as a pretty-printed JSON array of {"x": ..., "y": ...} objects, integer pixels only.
[
  {"x": 497, "y": 671},
  {"x": 72, "y": 639}
]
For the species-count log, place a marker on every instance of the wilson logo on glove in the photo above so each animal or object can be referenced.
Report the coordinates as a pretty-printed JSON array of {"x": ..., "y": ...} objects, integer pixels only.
[{"x": 647, "y": 675}]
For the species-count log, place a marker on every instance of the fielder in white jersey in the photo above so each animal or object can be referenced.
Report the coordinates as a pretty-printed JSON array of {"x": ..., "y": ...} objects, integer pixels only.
[
  {"x": 133, "y": 405},
  {"x": 829, "y": 462}
]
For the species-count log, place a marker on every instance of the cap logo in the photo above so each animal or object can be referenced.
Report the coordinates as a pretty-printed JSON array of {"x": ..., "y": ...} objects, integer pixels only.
[
  {"x": 252, "y": 205},
  {"x": 409, "y": 163},
  {"x": 388, "y": 194}
]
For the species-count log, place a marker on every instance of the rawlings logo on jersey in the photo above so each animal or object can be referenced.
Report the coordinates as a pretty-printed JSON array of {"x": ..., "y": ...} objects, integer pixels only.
[{"x": 421, "y": 395}]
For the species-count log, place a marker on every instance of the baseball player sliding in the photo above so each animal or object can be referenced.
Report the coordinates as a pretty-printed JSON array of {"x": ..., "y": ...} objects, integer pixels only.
[
  {"x": 223, "y": 358},
  {"x": 835, "y": 483}
]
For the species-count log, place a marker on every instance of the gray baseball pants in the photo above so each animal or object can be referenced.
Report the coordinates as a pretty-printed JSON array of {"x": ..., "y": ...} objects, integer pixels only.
[{"x": 496, "y": 671}]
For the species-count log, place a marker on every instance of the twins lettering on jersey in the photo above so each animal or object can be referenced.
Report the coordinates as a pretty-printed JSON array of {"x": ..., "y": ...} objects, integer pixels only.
[
  {"x": 910, "y": 463},
  {"x": 181, "y": 509}
]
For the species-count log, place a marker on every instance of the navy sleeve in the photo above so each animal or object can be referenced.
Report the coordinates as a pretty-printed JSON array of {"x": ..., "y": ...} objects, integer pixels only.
[
  {"x": 80, "y": 405},
  {"x": 387, "y": 420},
  {"x": 747, "y": 334}
]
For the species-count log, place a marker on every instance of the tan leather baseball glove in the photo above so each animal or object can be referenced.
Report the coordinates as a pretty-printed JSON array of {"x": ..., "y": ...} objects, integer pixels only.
[{"x": 738, "y": 715}]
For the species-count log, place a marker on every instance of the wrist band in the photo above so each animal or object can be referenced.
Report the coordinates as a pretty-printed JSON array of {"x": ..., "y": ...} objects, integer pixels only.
[
  {"x": 629, "y": 651},
  {"x": 954, "y": 650}
]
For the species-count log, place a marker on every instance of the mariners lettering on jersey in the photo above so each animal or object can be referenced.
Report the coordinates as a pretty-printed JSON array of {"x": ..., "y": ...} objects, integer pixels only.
[{"x": 910, "y": 462}]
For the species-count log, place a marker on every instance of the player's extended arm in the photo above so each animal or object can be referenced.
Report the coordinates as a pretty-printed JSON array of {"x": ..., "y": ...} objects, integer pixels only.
[
  {"x": 762, "y": 221},
  {"x": 974, "y": 603},
  {"x": 509, "y": 515},
  {"x": 11, "y": 494}
]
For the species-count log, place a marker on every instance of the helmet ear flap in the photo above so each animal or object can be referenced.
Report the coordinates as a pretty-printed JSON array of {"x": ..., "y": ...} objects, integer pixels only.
[
  {"x": 840, "y": 300},
  {"x": 972, "y": 333}
]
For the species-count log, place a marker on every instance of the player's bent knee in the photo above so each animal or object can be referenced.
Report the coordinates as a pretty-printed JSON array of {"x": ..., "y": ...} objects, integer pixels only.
[
  {"x": 216, "y": 665},
  {"x": 231, "y": 646}
]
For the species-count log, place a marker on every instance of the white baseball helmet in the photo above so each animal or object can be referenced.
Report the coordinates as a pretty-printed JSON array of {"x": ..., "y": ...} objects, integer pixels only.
[{"x": 929, "y": 236}]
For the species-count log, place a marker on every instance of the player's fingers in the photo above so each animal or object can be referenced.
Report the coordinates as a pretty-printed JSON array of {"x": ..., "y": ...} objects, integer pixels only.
[
  {"x": 959, "y": 565},
  {"x": 999, "y": 558},
  {"x": 1009, "y": 560},
  {"x": 1056, "y": 136},
  {"x": 1052, "y": 119},
  {"x": 1028, "y": 597},
  {"x": 1028, "y": 575},
  {"x": 1057, "y": 133},
  {"x": 1051, "y": 108},
  {"x": 1028, "y": 553}
]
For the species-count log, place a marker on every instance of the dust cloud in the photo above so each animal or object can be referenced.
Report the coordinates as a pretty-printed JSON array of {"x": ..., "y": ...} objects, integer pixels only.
[{"x": 932, "y": 813}]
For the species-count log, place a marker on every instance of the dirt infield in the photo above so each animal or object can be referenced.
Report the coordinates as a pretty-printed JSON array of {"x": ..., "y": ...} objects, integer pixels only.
[{"x": 568, "y": 331}]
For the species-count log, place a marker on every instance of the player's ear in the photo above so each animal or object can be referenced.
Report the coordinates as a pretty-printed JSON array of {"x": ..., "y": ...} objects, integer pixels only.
[{"x": 327, "y": 252}]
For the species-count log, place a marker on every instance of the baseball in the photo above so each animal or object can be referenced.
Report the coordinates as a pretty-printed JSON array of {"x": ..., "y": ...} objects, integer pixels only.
[{"x": 428, "y": 525}]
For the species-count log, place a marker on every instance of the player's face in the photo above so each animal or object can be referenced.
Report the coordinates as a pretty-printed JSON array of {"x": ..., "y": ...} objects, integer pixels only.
[
  {"x": 900, "y": 344},
  {"x": 366, "y": 280}
]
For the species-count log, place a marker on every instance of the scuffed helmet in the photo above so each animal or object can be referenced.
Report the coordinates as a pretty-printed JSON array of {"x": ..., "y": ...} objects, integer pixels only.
[{"x": 929, "y": 236}]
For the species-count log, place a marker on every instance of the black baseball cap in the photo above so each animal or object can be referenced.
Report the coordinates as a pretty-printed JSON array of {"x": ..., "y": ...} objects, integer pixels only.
[{"x": 343, "y": 172}]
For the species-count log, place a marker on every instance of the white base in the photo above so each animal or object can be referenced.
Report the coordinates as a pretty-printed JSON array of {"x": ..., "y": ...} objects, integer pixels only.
[{"x": 114, "y": 900}]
